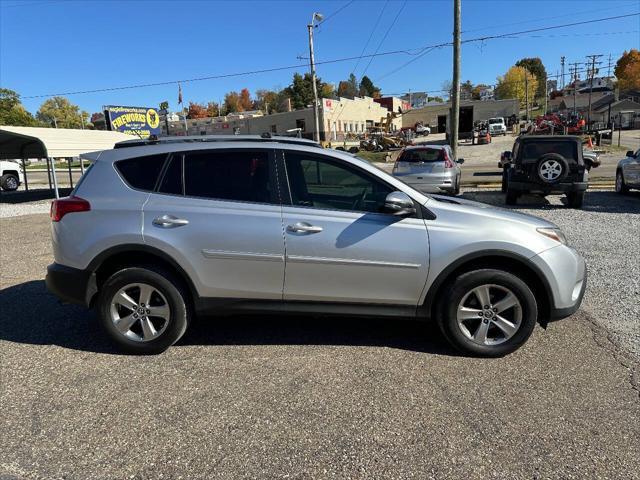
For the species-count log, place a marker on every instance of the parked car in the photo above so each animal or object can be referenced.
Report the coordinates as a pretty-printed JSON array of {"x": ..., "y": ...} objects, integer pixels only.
[
  {"x": 429, "y": 168},
  {"x": 546, "y": 164},
  {"x": 11, "y": 175},
  {"x": 628, "y": 172},
  {"x": 158, "y": 231},
  {"x": 497, "y": 126},
  {"x": 422, "y": 129}
]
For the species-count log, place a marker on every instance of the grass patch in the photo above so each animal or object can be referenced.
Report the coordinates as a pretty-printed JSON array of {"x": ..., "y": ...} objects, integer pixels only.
[{"x": 375, "y": 157}]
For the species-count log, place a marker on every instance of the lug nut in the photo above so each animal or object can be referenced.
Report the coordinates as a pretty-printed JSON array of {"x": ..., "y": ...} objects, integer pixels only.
[
  {"x": 479, "y": 314},
  {"x": 486, "y": 307},
  {"x": 135, "y": 315},
  {"x": 142, "y": 305},
  {"x": 495, "y": 309},
  {"x": 148, "y": 311},
  {"x": 485, "y": 321}
]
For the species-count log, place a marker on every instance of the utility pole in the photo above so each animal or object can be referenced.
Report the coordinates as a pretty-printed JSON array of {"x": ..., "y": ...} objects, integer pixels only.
[
  {"x": 546, "y": 93},
  {"x": 609, "y": 66},
  {"x": 562, "y": 59},
  {"x": 526, "y": 93},
  {"x": 455, "y": 100},
  {"x": 316, "y": 117},
  {"x": 592, "y": 73},
  {"x": 575, "y": 80}
]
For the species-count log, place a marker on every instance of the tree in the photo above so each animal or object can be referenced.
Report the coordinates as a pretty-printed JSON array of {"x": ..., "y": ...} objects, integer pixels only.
[
  {"x": 213, "y": 109},
  {"x": 327, "y": 91},
  {"x": 477, "y": 90},
  {"x": 368, "y": 88},
  {"x": 245, "y": 100},
  {"x": 466, "y": 89},
  {"x": 535, "y": 66},
  {"x": 12, "y": 112},
  {"x": 435, "y": 99},
  {"x": 232, "y": 102},
  {"x": 628, "y": 70},
  {"x": 269, "y": 101},
  {"x": 301, "y": 90},
  {"x": 348, "y": 88},
  {"x": 196, "y": 110},
  {"x": 60, "y": 112},
  {"x": 512, "y": 85}
]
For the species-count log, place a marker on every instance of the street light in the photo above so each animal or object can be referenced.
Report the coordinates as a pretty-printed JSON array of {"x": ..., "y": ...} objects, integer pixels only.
[{"x": 316, "y": 17}]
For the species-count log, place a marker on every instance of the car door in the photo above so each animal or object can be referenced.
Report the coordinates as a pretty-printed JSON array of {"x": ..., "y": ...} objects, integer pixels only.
[
  {"x": 339, "y": 246},
  {"x": 632, "y": 170},
  {"x": 218, "y": 213}
]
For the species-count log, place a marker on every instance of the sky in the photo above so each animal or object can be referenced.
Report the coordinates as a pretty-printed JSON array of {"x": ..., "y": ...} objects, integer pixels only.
[{"x": 57, "y": 46}]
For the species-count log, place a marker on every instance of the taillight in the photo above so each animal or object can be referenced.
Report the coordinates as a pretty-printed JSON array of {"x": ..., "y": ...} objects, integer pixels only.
[
  {"x": 62, "y": 206},
  {"x": 447, "y": 161}
]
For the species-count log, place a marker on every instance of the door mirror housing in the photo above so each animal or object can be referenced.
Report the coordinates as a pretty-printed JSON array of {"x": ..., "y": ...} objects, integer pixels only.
[
  {"x": 460, "y": 161},
  {"x": 631, "y": 154},
  {"x": 399, "y": 203}
]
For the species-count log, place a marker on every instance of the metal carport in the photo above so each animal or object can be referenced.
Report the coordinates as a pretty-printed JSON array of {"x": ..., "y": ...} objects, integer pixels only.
[{"x": 50, "y": 143}]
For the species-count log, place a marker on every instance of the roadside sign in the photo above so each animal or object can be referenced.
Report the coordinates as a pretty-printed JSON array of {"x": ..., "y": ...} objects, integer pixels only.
[{"x": 137, "y": 121}]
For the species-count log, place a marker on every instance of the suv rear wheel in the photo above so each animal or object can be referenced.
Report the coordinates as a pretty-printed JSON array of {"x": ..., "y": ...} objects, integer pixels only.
[
  {"x": 488, "y": 313},
  {"x": 621, "y": 187},
  {"x": 143, "y": 309},
  {"x": 9, "y": 182}
]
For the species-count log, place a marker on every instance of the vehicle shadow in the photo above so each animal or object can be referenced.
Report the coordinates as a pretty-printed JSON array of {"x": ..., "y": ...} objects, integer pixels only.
[
  {"x": 31, "y": 315},
  {"x": 594, "y": 201}
]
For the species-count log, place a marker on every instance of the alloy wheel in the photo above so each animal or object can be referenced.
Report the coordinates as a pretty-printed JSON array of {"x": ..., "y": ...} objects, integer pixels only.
[
  {"x": 140, "y": 312},
  {"x": 489, "y": 314},
  {"x": 550, "y": 170},
  {"x": 11, "y": 183}
]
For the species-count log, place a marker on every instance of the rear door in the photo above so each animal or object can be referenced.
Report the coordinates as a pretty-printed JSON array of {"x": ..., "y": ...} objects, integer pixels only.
[
  {"x": 420, "y": 166},
  {"x": 632, "y": 170},
  {"x": 217, "y": 213}
]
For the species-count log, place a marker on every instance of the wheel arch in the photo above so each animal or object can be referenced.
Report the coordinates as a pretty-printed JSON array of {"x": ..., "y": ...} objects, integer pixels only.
[
  {"x": 498, "y": 260},
  {"x": 113, "y": 259}
]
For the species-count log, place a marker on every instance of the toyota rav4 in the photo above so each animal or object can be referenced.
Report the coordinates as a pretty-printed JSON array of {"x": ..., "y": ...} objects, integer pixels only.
[{"x": 157, "y": 232}]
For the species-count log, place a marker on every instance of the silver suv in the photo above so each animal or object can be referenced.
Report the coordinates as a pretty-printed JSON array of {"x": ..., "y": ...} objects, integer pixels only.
[
  {"x": 429, "y": 168},
  {"x": 159, "y": 231}
]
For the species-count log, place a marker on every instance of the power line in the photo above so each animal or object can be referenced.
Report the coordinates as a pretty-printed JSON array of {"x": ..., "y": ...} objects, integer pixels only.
[
  {"x": 324, "y": 62},
  {"x": 385, "y": 37},
  {"x": 330, "y": 16},
  {"x": 370, "y": 36}
]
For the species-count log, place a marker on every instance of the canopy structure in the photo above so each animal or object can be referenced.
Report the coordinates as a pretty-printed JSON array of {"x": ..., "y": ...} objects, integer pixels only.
[{"x": 35, "y": 142}]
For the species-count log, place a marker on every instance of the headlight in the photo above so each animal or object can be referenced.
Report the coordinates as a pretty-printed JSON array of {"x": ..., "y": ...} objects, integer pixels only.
[{"x": 553, "y": 233}]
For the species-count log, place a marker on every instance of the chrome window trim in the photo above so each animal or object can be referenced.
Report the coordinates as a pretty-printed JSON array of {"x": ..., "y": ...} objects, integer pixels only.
[
  {"x": 229, "y": 254},
  {"x": 350, "y": 261}
]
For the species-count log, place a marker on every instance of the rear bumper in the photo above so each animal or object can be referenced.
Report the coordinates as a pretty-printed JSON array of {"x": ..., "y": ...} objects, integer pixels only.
[
  {"x": 539, "y": 187},
  {"x": 71, "y": 285}
]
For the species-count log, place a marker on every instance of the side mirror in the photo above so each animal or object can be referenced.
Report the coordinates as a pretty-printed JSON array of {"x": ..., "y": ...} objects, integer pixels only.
[
  {"x": 631, "y": 154},
  {"x": 460, "y": 161},
  {"x": 399, "y": 203}
]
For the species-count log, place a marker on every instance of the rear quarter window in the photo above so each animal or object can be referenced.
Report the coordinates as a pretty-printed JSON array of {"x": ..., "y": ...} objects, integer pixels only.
[{"x": 141, "y": 173}]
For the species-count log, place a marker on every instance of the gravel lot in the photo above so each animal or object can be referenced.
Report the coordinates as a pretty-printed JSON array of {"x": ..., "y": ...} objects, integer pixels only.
[{"x": 312, "y": 398}]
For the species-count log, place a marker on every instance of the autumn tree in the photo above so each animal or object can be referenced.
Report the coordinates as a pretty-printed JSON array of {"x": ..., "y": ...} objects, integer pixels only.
[
  {"x": 512, "y": 85},
  {"x": 477, "y": 91},
  {"x": 213, "y": 109},
  {"x": 327, "y": 91},
  {"x": 197, "y": 110},
  {"x": 60, "y": 112},
  {"x": 628, "y": 70},
  {"x": 12, "y": 112},
  {"x": 232, "y": 102},
  {"x": 348, "y": 88},
  {"x": 269, "y": 101},
  {"x": 245, "y": 100},
  {"x": 534, "y": 65}
]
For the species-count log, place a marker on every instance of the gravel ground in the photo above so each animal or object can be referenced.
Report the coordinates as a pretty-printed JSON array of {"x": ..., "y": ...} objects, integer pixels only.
[
  {"x": 606, "y": 232},
  {"x": 17, "y": 209}
]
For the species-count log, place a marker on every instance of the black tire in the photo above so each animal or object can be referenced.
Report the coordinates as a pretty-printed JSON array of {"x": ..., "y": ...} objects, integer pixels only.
[
  {"x": 511, "y": 197},
  {"x": 354, "y": 150},
  {"x": 164, "y": 282},
  {"x": 448, "y": 309},
  {"x": 553, "y": 159},
  {"x": 504, "y": 180},
  {"x": 9, "y": 182},
  {"x": 575, "y": 199},
  {"x": 456, "y": 190},
  {"x": 621, "y": 186}
]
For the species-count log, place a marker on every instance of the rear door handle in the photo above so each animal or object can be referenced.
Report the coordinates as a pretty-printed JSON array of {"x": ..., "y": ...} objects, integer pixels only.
[
  {"x": 169, "y": 221},
  {"x": 303, "y": 227}
]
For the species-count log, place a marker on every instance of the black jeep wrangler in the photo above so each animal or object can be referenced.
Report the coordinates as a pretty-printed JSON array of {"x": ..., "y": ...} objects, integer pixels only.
[{"x": 546, "y": 164}]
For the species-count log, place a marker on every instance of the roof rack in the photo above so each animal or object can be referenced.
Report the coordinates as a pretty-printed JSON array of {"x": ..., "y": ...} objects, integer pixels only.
[{"x": 265, "y": 137}]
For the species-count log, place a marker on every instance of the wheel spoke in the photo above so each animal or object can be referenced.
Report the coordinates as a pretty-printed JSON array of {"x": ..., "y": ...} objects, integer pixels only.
[
  {"x": 148, "y": 330},
  {"x": 466, "y": 313},
  {"x": 482, "y": 294},
  {"x": 145, "y": 294},
  {"x": 506, "y": 303},
  {"x": 126, "y": 301},
  {"x": 506, "y": 326},
  {"x": 125, "y": 323},
  {"x": 161, "y": 311},
  {"x": 481, "y": 333}
]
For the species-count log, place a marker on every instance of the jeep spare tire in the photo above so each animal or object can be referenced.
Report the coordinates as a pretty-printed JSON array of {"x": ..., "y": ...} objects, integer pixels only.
[{"x": 552, "y": 168}]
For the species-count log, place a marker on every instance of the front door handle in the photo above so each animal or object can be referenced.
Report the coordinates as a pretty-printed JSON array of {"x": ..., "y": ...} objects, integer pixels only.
[
  {"x": 169, "y": 221},
  {"x": 303, "y": 227}
]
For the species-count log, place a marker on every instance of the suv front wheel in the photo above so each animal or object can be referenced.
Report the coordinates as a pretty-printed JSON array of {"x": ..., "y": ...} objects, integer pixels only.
[
  {"x": 143, "y": 309},
  {"x": 488, "y": 313}
]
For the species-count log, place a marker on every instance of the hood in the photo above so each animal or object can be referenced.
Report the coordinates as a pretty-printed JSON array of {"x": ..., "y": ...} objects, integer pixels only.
[{"x": 483, "y": 209}]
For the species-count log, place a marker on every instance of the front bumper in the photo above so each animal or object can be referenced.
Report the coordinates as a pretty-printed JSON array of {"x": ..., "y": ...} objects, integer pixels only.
[
  {"x": 71, "y": 285},
  {"x": 565, "y": 272}
]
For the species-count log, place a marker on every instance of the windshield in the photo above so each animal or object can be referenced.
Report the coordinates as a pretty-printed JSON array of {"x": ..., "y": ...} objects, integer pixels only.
[
  {"x": 422, "y": 155},
  {"x": 495, "y": 120}
]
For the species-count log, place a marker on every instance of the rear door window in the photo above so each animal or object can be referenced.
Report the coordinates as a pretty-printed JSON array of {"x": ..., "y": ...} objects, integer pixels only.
[
  {"x": 229, "y": 175},
  {"x": 172, "y": 182},
  {"x": 141, "y": 173},
  {"x": 422, "y": 155}
]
